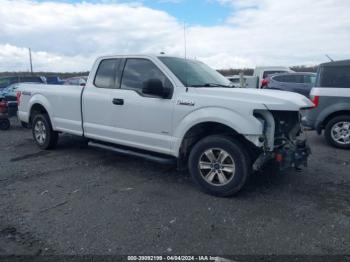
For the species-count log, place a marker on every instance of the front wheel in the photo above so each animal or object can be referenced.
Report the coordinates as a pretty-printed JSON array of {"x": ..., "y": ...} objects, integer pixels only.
[
  {"x": 219, "y": 165},
  {"x": 337, "y": 132},
  {"x": 43, "y": 134}
]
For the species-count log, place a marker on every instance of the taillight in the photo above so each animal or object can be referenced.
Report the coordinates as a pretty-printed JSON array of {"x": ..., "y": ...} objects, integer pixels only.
[
  {"x": 315, "y": 100},
  {"x": 18, "y": 97},
  {"x": 3, "y": 106},
  {"x": 264, "y": 83}
]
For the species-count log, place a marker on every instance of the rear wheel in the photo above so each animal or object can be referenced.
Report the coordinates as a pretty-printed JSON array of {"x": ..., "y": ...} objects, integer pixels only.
[
  {"x": 5, "y": 124},
  {"x": 219, "y": 165},
  {"x": 43, "y": 134},
  {"x": 337, "y": 132}
]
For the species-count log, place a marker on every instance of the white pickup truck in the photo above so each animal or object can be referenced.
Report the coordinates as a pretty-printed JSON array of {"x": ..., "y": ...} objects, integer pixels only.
[{"x": 171, "y": 109}]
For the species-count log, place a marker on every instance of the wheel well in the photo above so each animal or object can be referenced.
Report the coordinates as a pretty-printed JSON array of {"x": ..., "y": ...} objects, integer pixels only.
[
  {"x": 335, "y": 114},
  {"x": 202, "y": 130},
  {"x": 36, "y": 109}
]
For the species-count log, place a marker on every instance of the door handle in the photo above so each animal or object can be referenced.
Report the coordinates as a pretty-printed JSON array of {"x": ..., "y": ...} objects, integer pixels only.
[{"x": 118, "y": 101}]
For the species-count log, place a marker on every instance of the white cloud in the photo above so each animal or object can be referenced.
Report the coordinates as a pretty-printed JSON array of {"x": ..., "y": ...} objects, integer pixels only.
[
  {"x": 14, "y": 58},
  {"x": 67, "y": 37}
]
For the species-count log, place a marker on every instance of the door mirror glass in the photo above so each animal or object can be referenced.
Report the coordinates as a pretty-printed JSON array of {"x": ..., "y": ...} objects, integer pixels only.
[{"x": 154, "y": 87}]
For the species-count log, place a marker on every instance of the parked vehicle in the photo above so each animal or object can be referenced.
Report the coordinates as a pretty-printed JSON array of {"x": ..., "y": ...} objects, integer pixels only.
[
  {"x": 171, "y": 109},
  {"x": 54, "y": 80},
  {"x": 294, "y": 82},
  {"x": 9, "y": 97},
  {"x": 258, "y": 80},
  {"x": 331, "y": 96},
  {"x": 10, "y": 92},
  {"x": 235, "y": 80},
  {"x": 262, "y": 72},
  {"x": 245, "y": 82},
  {"x": 8, "y": 108},
  {"x": 78, "y": 80},
  {"x": 6, "y": 81}
]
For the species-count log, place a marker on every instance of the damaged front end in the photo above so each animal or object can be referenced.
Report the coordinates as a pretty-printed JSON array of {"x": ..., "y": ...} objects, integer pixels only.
[{"x": 284, "y": 140}]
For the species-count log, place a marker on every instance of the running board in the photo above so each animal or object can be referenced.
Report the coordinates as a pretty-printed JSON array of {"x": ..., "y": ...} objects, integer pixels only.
[{"x": 159, "y": 159}]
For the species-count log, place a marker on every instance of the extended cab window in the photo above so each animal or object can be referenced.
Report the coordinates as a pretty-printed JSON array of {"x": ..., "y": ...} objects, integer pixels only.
[
  {"x": 138, "y": 71},
  {"x": 106, "y": 75}
]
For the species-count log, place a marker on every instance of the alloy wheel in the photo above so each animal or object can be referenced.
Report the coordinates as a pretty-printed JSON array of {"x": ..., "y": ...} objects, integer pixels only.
[
  {"x": 40, "y": 132},
  {"x": 217, "y": 167},
  {"x": 340, "y": 133}
]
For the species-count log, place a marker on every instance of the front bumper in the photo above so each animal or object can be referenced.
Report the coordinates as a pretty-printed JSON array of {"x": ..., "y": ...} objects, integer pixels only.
[
  {"x": 294, "y": 156},
  {"x": 291, "y": 155}
]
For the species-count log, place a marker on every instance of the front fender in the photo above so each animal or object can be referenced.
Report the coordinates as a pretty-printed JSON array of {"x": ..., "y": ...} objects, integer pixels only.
[{"x": 245, "y": 125}]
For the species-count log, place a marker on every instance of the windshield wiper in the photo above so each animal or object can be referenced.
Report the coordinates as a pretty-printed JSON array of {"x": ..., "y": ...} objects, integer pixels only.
[{"x": 211, "y": 85}]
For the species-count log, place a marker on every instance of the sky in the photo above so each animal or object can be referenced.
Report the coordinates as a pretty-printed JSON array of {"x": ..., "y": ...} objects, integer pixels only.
[{"x": 68, "y": 35}]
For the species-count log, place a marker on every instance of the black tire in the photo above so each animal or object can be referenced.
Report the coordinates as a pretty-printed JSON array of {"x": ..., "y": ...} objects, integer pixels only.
[
  {"x": 328, "y": 131},
  {"x": 51, "y": 137},
  {"x": 236, "y": 152},
  {"x": 5, "y": 124},
  {"x": 24, "y": 124}
]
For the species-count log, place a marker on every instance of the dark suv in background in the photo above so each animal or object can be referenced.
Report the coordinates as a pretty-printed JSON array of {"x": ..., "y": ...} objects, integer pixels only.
[
  {"x": 294, "y": 82},
  {"x": 331, "y": 96}
]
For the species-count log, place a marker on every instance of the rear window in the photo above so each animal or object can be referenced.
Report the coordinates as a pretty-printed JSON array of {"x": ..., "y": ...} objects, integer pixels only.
[
  {"x": 334, "y": 76},
  {"x": 309, "y": 79},
  {"x": 289, "y": 78},
  {"x": 267, "y": 73}
]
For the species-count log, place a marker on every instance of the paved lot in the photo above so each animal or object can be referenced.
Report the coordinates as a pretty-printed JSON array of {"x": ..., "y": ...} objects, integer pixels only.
[{"x": 80, "y": 200}]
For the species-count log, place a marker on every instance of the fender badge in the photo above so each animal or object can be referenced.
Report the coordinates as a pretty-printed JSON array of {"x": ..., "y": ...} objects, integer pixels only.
[{"x": 185, "y": 102}]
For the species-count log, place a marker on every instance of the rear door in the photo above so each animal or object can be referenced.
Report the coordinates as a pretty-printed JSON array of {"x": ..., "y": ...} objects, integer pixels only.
[
  {"x": 299, "y": 85},
  {"x": 99, "y": 113}
]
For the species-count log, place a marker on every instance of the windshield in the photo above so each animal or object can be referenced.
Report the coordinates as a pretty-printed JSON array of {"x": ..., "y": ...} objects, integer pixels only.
[{"x": 194, "y": 73}]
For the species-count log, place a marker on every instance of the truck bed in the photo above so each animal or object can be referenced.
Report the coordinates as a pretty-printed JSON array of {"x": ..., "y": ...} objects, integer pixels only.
[{"x": 63, "y": 103}]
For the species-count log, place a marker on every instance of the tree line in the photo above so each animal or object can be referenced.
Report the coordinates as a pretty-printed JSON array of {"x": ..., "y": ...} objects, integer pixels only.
[{"x": 225, "y": 72}]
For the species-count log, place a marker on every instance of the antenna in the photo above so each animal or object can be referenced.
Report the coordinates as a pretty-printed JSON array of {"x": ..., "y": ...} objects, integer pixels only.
[
  {"x": 185, "y": 40},
  {"x": 329, "y": 58},
  {"x": 185, "y": 49},
  {"x": 30, "y": 60}
]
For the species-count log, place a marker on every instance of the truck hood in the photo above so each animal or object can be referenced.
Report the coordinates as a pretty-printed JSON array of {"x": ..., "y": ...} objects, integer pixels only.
[{"x": 271, "y": 99}]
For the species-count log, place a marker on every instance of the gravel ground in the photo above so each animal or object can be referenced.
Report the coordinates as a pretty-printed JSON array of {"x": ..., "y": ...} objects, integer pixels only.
[{"x": 80, "y": 200}]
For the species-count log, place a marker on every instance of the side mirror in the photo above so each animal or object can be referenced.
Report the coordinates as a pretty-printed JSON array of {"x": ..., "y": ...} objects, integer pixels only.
[{"x": 155, "y": 87}]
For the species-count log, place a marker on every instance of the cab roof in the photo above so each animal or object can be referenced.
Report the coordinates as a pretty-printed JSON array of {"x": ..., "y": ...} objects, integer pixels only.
[{"x": 337, "y": 63}]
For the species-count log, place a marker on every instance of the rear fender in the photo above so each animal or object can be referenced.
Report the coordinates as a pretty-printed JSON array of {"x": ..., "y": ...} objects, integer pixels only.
[{"x": 43, "y": 101}]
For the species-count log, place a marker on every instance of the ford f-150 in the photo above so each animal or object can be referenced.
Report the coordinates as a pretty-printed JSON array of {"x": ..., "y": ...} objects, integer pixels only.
[{"x": 173, "y": 109}]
